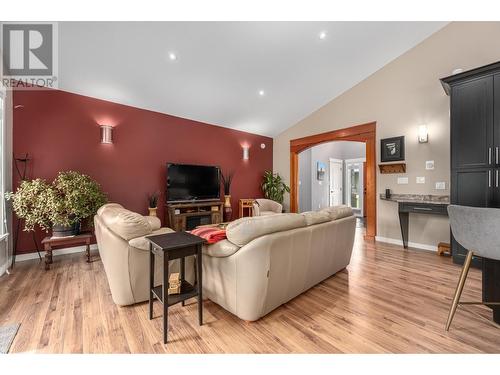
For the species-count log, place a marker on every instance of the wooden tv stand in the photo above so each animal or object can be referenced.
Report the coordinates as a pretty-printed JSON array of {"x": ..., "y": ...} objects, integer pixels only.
[{"x": 187, "y": 216}]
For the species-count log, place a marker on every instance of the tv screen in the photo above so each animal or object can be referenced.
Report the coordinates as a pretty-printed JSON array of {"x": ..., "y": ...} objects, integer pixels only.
[{"x": 192, "y": 182}]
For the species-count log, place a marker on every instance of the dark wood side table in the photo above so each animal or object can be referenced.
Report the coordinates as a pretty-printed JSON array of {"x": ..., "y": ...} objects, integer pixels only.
[
  {"x": 50, "y": 242},
  {"x": 178, "y": 245}
]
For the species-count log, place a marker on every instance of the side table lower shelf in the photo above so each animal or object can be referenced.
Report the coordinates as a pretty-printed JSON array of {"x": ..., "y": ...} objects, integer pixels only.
[{"x": 187, "y": 291}]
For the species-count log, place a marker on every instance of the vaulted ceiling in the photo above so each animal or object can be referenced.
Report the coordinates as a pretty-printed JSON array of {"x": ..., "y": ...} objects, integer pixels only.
[{"x": 261, "y": 77}]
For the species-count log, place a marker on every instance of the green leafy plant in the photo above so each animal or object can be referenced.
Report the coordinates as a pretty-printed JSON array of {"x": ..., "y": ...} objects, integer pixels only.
[
  {"x": 71, "y": 198},
  {"x": 274, "y": 187},
  {"x": 153, "y": 199}
]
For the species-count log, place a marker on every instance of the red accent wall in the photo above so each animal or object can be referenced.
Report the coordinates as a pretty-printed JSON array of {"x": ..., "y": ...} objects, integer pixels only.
[{"x": 60, "y": 131}]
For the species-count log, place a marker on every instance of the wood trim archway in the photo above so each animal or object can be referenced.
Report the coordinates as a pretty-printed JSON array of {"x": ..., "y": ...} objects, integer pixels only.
[{"x": 361, "y": 133}]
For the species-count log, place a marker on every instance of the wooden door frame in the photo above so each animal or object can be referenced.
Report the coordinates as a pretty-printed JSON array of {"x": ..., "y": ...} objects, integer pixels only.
[{"x": 360, "y": 133}]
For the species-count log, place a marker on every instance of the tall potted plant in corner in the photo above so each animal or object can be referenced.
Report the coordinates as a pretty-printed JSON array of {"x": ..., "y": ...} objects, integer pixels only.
[
  {"x": 227, "y": 179},
  {"x": 274, "y": 187},
  {"x": 62, "y": 206}
]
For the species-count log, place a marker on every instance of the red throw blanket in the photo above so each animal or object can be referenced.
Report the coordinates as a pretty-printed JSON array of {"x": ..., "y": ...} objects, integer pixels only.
[{"x": 211, "y": 234}]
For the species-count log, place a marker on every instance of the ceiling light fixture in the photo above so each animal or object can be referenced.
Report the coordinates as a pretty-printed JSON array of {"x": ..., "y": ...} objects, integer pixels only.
[
  {"x": 322, "y": 35},
  {"x": 172, "y": 56},
  {"x": 262, "y": 93}
]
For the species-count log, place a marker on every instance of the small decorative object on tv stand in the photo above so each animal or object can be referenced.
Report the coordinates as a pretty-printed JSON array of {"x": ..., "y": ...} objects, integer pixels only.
[{"x": 153, "y": 203}]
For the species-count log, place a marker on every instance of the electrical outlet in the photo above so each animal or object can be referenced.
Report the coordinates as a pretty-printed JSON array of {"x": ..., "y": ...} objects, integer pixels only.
[
  {"x": 402, "y": 180},
  {"x": 420, "y": 180},
  {"x": 429, "y": 165},
  {"x": 440, "y": 185}
]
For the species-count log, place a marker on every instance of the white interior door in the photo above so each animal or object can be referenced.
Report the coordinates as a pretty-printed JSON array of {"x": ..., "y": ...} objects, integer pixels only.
[
  {"x": 336, "y": 182},
  {"x": 354, "y": 185}
]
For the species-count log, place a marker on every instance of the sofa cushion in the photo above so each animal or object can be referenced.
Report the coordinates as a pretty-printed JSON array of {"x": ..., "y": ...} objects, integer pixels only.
[
  {"x": 142, "y": 242},
  {"x": 316, "y": 217},
  {"x": 125, "y": 223},
  {"x": 244, "y": 230},
  {"x": 220, "y": 249},
  {"x": 338, "y": 212},
  {"x": 153, "y": 221}
]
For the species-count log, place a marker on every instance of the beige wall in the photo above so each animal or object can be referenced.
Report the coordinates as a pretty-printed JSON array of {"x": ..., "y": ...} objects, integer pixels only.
[{"x": 399, "y": 97}]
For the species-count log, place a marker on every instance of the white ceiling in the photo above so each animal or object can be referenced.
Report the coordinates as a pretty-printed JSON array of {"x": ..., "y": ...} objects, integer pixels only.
[{"x": 221, "y": 66}]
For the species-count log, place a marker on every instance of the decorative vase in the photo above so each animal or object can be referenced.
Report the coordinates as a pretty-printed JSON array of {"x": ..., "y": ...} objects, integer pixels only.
[
  {"x": 66, "y": 230},
  {"x": 228, "y": 211},
  {"x": 152, "y": 211}
]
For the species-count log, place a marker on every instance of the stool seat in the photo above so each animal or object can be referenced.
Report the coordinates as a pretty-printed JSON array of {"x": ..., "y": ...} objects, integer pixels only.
[{"x": 477, "y": 229}]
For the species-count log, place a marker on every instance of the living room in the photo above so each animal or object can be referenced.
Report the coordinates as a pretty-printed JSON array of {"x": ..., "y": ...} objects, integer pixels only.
[{"x": 249, "y": 187}]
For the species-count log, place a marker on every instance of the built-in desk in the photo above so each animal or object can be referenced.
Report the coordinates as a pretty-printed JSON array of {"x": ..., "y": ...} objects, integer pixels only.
[{"x": 420, "y": 204}]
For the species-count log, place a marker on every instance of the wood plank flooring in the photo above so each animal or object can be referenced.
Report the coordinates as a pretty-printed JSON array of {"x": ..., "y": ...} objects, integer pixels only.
[{"x": 387, "y": 301}]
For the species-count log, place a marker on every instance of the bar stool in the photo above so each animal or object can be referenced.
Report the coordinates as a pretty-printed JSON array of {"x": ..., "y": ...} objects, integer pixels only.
[{"x": 477, "y": 230}]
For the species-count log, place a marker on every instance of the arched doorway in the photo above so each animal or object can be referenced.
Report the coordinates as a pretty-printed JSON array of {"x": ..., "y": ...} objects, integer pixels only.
[{"x": 361, "y": 133}]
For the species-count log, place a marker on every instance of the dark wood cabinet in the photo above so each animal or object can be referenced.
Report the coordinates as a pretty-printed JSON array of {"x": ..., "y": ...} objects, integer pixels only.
[
  {"x": 472, "y": 123},
  {"x": 187, "y": 216},
  {"x": 475, "y": 159},
  {"x": 475, "y": 140}
]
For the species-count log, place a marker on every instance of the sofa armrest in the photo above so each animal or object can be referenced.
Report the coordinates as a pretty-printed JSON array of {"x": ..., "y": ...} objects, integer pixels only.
[
  {"x": 154, "y": 222},
  {"x": 220, "y": 249},
  {"x": 142, "y": 243}
]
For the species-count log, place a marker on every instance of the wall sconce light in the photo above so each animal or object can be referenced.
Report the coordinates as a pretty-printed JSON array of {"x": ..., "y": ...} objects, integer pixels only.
[
  {"x": 423, "y": 136},
  {"x": 106, "y": 134},
  {"x": 246, "y": 154}
]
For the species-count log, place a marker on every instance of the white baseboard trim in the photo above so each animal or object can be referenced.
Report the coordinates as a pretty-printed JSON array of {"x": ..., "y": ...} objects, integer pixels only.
[
  {"x": 64, "y": 251},
  {"x": 415, "y": 245}
]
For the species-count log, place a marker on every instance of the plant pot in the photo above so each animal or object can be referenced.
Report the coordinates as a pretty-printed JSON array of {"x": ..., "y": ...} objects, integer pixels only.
[
  {"x": 228, "y": 210},
  {"x": 66, "y": 230},
  {"x": 152, "y": 211}
]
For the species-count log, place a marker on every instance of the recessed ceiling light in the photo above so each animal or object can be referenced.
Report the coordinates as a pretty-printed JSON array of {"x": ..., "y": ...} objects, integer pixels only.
[
  {"x": 262, "y": 93},
  {"x": 172, "y": 56},
  {"x": 322, "y": 35}
]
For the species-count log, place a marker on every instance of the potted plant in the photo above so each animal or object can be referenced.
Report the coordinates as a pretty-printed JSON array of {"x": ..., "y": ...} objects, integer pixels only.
[
  {"x": 153, "y": 203},
  {"x": 61, "y": 206},
  {"x": 274, "y": 187},
  {"x": 227, "y": 179}
]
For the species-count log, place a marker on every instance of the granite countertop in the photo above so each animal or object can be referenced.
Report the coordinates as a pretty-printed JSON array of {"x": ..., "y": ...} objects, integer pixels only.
[{"x": 417, "y": 198}]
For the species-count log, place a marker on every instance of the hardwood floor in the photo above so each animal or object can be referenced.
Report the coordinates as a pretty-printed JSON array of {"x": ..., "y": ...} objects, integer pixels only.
[{"x": 387, "y": 301}]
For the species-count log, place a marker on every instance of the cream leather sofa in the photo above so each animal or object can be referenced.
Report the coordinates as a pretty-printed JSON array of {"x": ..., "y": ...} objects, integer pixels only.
[
  {"x": 268, "y": 260},
  {"x": 124, "y": 252},
  {"x": 264, "y": 207}
]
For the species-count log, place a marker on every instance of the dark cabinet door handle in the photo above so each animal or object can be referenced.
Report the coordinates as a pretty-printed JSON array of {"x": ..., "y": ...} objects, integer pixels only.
[
  {"x": 489, "y": 178},
  {"x": 422, "y": 208},
  {"x": 489, "y": 155},
  {"x": 496, "y": 178},
  {"x": 496, "y": 155}
]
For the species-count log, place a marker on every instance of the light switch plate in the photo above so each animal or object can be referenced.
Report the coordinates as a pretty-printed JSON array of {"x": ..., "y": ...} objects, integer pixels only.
[
  {"x": 402, "y": 180},
  {"x": 440, "y": 185},
  {"x": 429, "y": 165},
  {"x": 420, "y": 180}
]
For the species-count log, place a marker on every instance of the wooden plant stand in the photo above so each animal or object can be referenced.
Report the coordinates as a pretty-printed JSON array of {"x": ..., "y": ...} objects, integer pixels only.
[{"x": 50, "y": 242}]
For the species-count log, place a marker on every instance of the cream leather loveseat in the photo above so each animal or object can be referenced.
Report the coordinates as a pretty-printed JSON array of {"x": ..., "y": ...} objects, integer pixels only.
[
  {"x": 268, "y": 260},
  {"x": 124, "y": 252}
]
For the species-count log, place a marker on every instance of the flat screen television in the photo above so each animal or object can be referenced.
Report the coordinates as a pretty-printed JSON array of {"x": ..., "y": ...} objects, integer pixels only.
[{"x": 187, "y": 183}]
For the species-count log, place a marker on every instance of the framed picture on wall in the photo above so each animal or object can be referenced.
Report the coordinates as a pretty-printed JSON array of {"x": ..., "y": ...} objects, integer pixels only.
[
  {"x": 320, "y": 170},
  {"x": 392, "y": 149}
]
